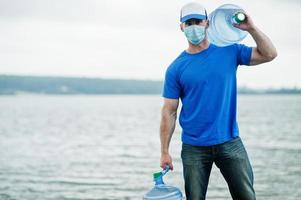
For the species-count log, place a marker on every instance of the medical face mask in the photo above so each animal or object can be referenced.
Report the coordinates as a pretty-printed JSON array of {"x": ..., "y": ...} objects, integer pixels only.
[{"x": 195, "y": 33}]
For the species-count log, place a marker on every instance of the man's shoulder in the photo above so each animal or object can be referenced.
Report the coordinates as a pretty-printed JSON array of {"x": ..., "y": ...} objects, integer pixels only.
[
  {"x": 225, "y": 48},
  {"x": 235, "y": 47},
  {"x": 180, "y": 59}
]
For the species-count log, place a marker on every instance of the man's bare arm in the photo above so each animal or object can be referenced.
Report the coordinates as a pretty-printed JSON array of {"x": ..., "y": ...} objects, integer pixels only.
[
  {"x": 264, "y": 51},
  {"x": 167, "y": 127}
]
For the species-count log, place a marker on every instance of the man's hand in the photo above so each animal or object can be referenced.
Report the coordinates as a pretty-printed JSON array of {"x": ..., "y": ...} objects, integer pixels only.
[
  {"x": 166, "y": 160},
  {"x": 248, "y": 25},
  {"x": 265, "y": 50}
]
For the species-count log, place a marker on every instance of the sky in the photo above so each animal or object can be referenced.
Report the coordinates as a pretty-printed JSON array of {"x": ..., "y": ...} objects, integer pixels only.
[{"x": 133, "y": 39}]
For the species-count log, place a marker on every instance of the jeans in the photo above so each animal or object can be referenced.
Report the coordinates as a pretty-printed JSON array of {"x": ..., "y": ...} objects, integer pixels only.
[{"x": 232, "y": 160}]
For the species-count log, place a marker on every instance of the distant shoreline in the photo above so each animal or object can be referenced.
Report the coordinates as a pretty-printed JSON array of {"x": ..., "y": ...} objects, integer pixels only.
[
  {"x": 47, "y": 85},
  {"x": 79, "y": 94}
]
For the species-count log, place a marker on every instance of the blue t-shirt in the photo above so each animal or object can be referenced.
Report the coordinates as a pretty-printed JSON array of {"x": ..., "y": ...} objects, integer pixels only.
[{"x": 206, "y": 84}]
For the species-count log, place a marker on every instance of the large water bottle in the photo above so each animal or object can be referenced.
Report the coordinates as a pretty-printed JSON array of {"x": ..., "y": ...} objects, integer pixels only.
[
  {"x": 221, "y": 31},
  {"x": 161, "y": 191}
]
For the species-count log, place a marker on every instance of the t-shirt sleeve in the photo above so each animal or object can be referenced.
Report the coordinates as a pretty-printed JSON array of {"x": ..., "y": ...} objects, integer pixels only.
[
  {"x": 244, "y": 54},
  {"x": 171, "y": 87}
]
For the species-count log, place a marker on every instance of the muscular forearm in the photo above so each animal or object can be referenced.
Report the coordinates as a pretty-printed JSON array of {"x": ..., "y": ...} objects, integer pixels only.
[
  {"x": 264, "y": 45},
  {"x": 167, "y": 128}
]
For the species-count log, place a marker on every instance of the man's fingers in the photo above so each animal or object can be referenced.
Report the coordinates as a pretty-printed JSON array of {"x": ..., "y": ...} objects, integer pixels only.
[
  {"x": 236, "y": 25},
  {"x": 164, "y": 165},
  {"x": 166, "y": 160},
  {"x": 171, "y": 166}
]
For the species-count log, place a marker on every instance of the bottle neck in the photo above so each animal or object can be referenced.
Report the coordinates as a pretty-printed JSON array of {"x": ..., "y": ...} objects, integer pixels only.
[
  {"x": 239, "y": 17},
  {"x": 159, "y": 181}
]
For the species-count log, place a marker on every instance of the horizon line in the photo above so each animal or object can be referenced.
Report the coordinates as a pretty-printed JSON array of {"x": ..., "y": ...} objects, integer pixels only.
[{"x": 139, "y": 79}]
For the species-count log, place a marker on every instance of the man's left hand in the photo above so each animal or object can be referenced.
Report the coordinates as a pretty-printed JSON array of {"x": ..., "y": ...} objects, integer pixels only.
[{"x": 248, "y": 25}]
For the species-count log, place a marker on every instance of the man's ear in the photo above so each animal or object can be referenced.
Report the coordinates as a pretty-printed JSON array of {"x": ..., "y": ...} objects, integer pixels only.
[
  {"x": 182, "y": 27},
  {"x": 207, "y": 23}
]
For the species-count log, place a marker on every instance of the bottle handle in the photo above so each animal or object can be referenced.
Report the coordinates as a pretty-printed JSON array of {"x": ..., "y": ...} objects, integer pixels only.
[
  {"x": 167, "y": 168},
  {"x": 158, "y": 177}
]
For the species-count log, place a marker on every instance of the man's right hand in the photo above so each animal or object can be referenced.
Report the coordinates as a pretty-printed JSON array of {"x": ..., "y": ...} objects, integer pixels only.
[{"x": 166, "y": 160}]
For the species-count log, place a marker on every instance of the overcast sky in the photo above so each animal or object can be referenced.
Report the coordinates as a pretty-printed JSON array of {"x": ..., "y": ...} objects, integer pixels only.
[{"x": 132, "y": 38}]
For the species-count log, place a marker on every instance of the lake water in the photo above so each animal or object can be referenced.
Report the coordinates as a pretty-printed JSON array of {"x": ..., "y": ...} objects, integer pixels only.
[{"x": 107, "y": 147}]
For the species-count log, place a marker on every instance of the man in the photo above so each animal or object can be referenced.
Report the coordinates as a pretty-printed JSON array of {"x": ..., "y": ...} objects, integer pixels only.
[{"x": 204, "y": 78}]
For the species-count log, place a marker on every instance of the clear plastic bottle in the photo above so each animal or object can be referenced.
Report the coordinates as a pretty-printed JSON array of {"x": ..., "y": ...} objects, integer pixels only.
[
  {"x": 221, "y": 31},
  {"x": 161, "y": 191}
]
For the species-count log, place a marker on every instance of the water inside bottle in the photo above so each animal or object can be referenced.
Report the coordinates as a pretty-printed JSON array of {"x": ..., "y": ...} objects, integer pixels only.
[
  {"x": 161, "y": 191},
  {"x": 221, "y": 30}
]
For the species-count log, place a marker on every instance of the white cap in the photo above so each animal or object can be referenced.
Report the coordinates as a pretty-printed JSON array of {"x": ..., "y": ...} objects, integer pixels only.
[{"x": 193, "y": 10}]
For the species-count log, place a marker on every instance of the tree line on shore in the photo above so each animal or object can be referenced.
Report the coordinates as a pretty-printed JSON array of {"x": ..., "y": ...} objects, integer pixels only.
[{"x": 12, "y": 84}]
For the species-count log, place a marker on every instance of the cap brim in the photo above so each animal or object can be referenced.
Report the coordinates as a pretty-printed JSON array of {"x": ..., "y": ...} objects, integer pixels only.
[{"x": 193, "y": 16}]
